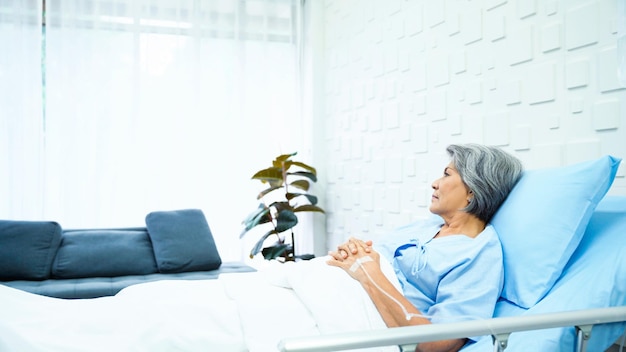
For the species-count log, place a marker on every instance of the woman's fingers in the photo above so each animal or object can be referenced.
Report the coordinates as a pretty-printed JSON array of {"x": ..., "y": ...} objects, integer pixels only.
[
  {"x": 351, "y": 247},
  {"x": 355, "y": 244},
  {"x": 344, "y": 250},
  {"x": 337, "y": 255}
]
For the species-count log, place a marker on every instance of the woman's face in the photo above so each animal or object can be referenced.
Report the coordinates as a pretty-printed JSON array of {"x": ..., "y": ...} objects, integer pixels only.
[{"x": 450, "y": 193}]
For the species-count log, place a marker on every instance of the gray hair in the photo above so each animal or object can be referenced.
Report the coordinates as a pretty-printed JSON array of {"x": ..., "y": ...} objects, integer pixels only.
[{"x": 489, "y": 172}]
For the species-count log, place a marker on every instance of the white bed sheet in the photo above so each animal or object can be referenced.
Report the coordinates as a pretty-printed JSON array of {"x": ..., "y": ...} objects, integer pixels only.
[
  {"x": 159, "y": 316},
  {"x": 236, "y": 312}
]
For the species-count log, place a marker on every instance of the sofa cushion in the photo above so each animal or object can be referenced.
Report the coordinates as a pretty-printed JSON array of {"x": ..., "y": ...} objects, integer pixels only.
[
  {"x": 27, "y": 249},
  {"x": 182, "y": 241},
  {"x": 542, "y": 221},
  {"x": 104, "y": 253},
  {"x": 93, "y": 287}
]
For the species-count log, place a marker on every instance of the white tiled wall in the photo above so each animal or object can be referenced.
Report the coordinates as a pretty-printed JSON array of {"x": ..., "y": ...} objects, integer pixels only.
[{"x": 404, "y": 78}]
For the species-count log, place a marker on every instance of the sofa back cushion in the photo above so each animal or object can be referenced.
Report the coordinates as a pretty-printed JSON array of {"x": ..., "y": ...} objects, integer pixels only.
[
  {"x": 182, "y": 241},
  {"x": 104, "y": 253},
  {"x": 27, "y": 249}
]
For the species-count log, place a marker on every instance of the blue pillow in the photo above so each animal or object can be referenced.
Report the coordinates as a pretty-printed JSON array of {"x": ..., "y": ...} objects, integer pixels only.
[
  {"x": 104, "y": 253},
  {"x": 542, "y": 221},
  {"x": 27, "y": 249},
  {"x": 594, "y": 277},
  {"x": 182, "y": 241}
]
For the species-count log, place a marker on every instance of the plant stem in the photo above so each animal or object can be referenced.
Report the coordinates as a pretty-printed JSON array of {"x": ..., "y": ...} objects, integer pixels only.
[
  {"x": 293, "y": 241},
  {"x": 284, "y": 172}
]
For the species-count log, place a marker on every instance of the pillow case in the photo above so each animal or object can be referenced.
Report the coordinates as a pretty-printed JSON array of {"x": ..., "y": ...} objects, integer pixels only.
[
  {"x": 104, "y": 253},
  {"x": 182, "y": 241},
  {"x": 27, "y": 249},
  {"x": 542, "y": 221},
  {"x": 601, "y": 250}
]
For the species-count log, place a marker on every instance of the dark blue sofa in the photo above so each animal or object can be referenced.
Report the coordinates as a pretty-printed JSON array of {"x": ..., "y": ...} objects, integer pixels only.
[{"x": 42, "y": 258}]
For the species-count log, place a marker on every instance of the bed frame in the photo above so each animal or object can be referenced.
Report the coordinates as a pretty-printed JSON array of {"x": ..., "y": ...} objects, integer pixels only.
[{"x": 499, "y": 329}]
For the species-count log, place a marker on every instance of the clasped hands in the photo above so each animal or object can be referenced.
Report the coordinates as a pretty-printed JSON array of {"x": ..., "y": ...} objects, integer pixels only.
[{"x": 352, "y": 253}]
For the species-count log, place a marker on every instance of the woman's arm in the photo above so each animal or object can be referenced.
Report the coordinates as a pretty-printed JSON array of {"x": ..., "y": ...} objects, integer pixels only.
[{"x": 393, "y": 307}]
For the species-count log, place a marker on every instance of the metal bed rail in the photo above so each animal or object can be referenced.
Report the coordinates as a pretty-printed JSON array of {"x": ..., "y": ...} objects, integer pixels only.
[{"x": 498, "y": 328}]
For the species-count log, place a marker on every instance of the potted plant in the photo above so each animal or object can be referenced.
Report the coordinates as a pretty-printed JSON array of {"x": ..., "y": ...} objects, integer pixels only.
[{"x": 287, "y": 195}]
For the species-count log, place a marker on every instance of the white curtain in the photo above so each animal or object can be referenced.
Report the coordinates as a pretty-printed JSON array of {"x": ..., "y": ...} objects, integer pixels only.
[
  {"x": 21, "y": 125},
  {"x": 147, "y": 105}
]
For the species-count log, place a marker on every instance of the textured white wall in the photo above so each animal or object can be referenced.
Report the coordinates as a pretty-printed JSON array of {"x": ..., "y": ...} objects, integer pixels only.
[{"x": 403, "y": 79}]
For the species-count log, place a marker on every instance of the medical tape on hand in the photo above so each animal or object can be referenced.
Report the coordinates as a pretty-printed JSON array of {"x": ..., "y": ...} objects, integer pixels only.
[{"x": 359, "y": 262}]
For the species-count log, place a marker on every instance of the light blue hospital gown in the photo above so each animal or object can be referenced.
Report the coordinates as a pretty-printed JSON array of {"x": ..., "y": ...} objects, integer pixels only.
[{"x": 451, "y": 278}]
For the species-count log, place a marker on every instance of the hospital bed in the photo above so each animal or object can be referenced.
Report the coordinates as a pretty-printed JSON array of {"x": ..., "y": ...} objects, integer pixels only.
[{"x": 582, "y": 309}]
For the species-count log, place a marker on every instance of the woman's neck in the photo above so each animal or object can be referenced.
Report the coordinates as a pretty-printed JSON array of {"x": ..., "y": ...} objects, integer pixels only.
[{"x": 461, "y": 223}]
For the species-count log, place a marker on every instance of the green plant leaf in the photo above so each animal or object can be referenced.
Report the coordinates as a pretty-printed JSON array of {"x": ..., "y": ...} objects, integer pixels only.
[
  {"x": 291, "y": 195},
  {"x": 269, "y": 190},
  {"x": 301, "y": 184},
  {"x": 260, "y": 216},
  {"x": 275, "y": 251},
  {"x": 282, "y": 161},
  {"x": 311, "y": 198},
  {"x": 311, "y": 176},
  {"x": 305, "y": 166},
  {"x": 284, "y": 157},
  {"x": 273, "y": 175},
  {"x": 309, "y": 207},
  {"x": 259, "y": 244},
  {"x": 261, "y": 209},
  {"x": 285, "y": 220},
  {"x": 280, "y": 206}
]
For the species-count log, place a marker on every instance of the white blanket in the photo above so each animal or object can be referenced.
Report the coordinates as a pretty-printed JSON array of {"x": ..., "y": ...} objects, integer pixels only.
[{"x": 237, "y": 312}]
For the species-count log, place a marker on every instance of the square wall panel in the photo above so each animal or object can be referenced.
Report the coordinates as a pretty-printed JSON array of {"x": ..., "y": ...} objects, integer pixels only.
[
  {"x": 526, "y": 8},
  {"x": 546, "y": 155},
  {"x": 577, "y": 74},
  {"x": 520, "y": 137},
  {"x": 520, "y": 46},
  {"x": 420, "y": 138},
  {"x": 495, "y": 25},
  {"x": 435, "y": 12},
  {"x": 551, "y": 37},
  {"x": 581, "y": 25},
  {"x": 513, "y": 92},
  {"x": 414, "y": 18},
  {"x": 496, "y": 128},
  {"x": 439, "y": 69},
  {"x": 540, "y": 84},
  {"x": 437, "y": 105},
  {"x": 491, "y": 4},
  {"x": 582, "y": 150},
  {"x": 606, "y": 115},
  {"x": 608, "y": 78},
  {"x": 472, "y": 25}
]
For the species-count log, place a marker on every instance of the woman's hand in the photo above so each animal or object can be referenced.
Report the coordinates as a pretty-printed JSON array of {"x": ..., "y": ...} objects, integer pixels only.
[
  {"x": 351, "y": 247},
  {"x": 353, "y": 254}
]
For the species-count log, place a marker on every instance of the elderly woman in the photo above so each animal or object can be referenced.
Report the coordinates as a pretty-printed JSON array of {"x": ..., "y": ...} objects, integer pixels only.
[{"x": 449, "y": 266}]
